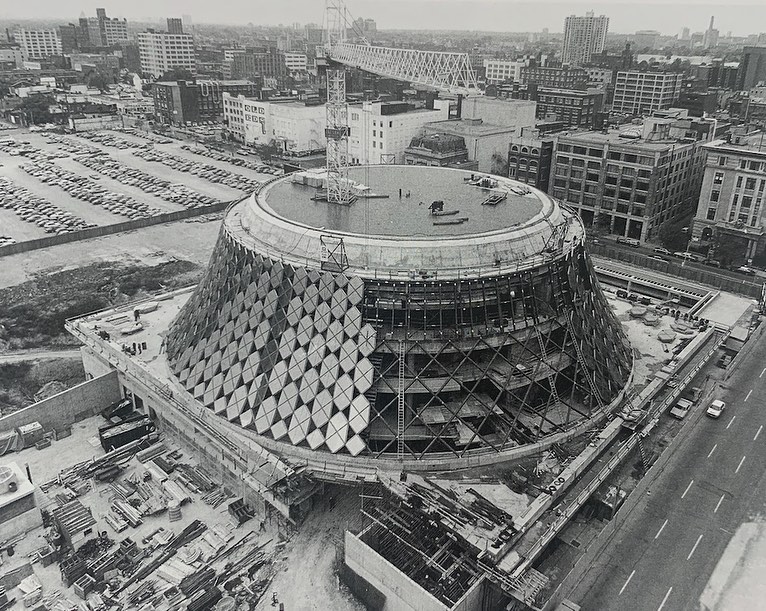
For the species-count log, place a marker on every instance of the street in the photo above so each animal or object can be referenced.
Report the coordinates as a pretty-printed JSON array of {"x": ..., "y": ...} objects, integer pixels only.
[{"x": 665, "y": 552}]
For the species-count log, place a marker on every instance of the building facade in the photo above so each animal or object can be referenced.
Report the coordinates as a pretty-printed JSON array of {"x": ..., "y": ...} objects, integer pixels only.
[
  {"x": 503, "y": 70},
  {"x": 11, "y": 56},
  {"x": 179, "y": 102},
  {"x": 38, "y": 44},
  {"x": 574, "y": 108},
  {"x": 625, "y": 184},
  {"x": 583, "y": 36},
  {"x": 555, "y": 78},
  {"x": 163, "y": 51},
  {"x": 752, "y": 69},
  {"x": 381, "y": 131},
  {"x": 731, "y": 201},
  {"x": 295, "y": 127},
  {"x": 296, "y": 62},
  {"x": 529, "y": 158},
  {"x": 641, "y": 93}
]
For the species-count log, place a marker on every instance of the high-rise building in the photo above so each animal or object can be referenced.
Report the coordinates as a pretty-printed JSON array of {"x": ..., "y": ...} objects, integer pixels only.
[
  {"x": 175, "y": 25},
  {"x": 641, "y": 93},
  {"x": 685, "y": 34},
  {"x": 38, "y": 44},
  {"x": 11, "y": 56},
  {"x": 503, "y": 70},
  {"x": 163, "y": 51},
  {"x": 752, "y": 69},
  {"x": 102, "y": 31},
  {"x": 583, "y": 36}
]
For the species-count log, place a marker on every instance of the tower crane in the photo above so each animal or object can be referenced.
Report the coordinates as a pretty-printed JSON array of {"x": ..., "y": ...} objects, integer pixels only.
[{"x": 445, "y": 71}]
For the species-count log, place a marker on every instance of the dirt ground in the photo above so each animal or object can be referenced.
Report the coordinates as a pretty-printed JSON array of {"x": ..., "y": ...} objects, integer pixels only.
[
  {"x": 21, "y": 382},
  {"x": 306, "y": 577},
  {"x": 33, "y": 313},
  {"x": 191, "y": 240}
]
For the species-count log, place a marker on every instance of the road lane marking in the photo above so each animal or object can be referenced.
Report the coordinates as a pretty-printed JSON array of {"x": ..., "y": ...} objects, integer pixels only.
[
  {"x": 764, "y": 371},
  {"x": 739, "y": 466},
  {"x": 696, "y": 543},
  {"x": 661, "y": 529},
  {"x": 664, "y": 600},
  {"x": 748, "y": 394},
  {"x": 760, "y": 428},
  {"x": 687, "y": 489},
  {"x": 713, "y": 450},
  {"x": 718, "y": 504},
  {"x": 730, "y": 421},
  {"x": 627, "y": 581}
]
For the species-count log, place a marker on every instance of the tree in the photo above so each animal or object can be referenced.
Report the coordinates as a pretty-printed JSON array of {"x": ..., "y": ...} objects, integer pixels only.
[
  {"x": 730, "y": 250},
  {"x": 37, "y": 108},
  {"x": 177, "y": 74},
  {"x": 671, "y": 235}
]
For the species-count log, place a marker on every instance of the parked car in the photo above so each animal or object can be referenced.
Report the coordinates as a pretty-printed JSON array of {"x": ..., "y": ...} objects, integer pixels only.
[
  {"x": 629, "y": 242},
  {"x": 661, "y": 250},
  {"x": 681, "y": 408},
  {"x": 744, "y": 269}
]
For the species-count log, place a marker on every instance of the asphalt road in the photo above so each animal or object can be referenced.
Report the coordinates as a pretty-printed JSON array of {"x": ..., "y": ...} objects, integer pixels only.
[{"x": 665, "y": 552}]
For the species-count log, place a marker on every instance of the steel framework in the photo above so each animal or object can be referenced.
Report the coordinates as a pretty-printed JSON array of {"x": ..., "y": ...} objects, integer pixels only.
[
  {"x": 338, "y": 187},
  {"x": 450, "y": 72}
]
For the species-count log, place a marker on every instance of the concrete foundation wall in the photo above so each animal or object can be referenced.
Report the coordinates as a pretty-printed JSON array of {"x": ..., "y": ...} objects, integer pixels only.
[
  {"x": 401, "y": 592},
  {"x": 60, "y": 411}
]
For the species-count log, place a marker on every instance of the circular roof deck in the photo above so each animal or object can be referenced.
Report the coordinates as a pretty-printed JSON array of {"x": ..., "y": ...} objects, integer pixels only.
[
  {"x": 389, "y": 214},
  {"x": 395, "y": 237}
]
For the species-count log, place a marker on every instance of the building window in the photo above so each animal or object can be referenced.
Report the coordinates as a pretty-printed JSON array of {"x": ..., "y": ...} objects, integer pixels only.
[
  {"x": 718, "y": 178},
  {"x": 722, "y": 160},
  {"x": 750, "y": 184},
  {"x": 711, "y": 214},
  {"x": 715, "y": 195}
]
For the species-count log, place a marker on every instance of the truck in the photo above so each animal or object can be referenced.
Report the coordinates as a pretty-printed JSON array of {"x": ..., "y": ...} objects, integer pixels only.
[{"x": 118, "y": 435}]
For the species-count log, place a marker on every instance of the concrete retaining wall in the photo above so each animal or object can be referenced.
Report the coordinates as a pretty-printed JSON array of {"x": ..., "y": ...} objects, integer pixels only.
[
  {"x": 750, "y": 288},
  {"x": 401, "y": 592},
  {"x": 61, "y": 411},
  {"x": 102, "y": 230}
]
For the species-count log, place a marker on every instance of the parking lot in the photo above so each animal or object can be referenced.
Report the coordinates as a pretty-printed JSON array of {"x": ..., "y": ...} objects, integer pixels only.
[{"x": 56, "y": 184}]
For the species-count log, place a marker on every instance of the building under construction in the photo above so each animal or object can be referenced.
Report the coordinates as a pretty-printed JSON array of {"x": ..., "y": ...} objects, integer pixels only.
[{"x": 443, "y": 320}]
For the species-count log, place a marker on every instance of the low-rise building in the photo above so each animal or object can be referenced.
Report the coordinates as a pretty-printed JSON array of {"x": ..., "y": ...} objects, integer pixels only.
[
  {"x": 441, "y": 150},
  {"x": 381, "y": 131},
  {"x": 575, "y": 108},
  {"x": 730, "y": 210},
  {"x": 11, "y": 56},
  {"x": 554, "y": 78},
  {"x": 529, "y": 158},
  {"x": 179, "y": 102},
  {"x": 503, "y": 70},
  {"x": 295, "y": 127},
  {"x": 296, "y": 62},
  {"x": 641, "y": 93},
  {"x": 627, "y": 182}
]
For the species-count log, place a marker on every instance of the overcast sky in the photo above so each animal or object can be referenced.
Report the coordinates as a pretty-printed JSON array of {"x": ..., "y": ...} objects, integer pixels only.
[{"x": 667, "y": 16}]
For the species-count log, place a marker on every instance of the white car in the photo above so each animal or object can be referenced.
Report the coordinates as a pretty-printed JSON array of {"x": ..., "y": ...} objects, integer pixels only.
[{"x": 715, "y": 409}]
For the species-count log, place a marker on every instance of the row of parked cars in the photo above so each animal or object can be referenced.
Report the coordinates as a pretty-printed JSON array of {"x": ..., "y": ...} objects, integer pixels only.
[
  {"x": 85, "y": 189},
  {"x": 99, "y": 161},
  {"x": 6, "y": 240},
  {"x": 147, "y": 152},
  {"x": 34, "y": 209},
  {"x": 238, "y": 161}
]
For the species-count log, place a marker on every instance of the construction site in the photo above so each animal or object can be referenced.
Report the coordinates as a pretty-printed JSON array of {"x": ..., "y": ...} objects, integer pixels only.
[{"x": 395, "y": 388}]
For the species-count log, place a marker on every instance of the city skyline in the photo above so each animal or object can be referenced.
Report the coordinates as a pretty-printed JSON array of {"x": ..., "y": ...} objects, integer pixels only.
[{"x": 458, "y": 15}]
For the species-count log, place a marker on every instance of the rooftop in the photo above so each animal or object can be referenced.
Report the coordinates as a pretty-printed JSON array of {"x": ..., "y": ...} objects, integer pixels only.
[
  {"x": 617, "y": 137},
  {"x": 470, "y": 127},
  {"x": 388, "y": 214},
  {"x": 384, "y": 232}
]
